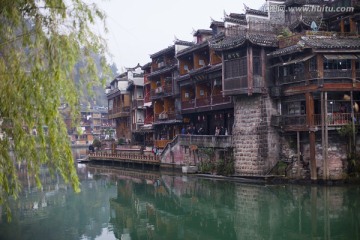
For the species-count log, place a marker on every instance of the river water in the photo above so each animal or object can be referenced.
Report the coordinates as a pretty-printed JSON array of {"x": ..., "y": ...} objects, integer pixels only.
[{"x": 132, "y": 204}]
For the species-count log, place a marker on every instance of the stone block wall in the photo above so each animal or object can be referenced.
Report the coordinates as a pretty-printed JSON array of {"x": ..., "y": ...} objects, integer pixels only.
[
  {"x": 337, "y": 156},
  {"x": 256, "y": 143}
]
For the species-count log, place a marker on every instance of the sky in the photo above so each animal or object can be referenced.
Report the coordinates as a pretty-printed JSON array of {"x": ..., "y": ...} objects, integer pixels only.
[{"x": 139, "y": 28}]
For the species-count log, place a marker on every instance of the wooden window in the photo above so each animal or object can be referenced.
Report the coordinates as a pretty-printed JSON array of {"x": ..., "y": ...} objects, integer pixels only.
[
  {"x": 235, "y": 64},
  {"x": 256, "y": 65},
  {"x": 337, "y": 64},
  {"x": 312, "y": 64}
]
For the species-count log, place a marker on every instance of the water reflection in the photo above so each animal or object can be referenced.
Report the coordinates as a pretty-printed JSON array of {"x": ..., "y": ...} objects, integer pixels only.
[{"x": 129, "y": 204}]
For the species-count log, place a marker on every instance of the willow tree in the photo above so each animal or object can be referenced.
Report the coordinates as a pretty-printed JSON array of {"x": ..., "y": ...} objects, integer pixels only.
[{"x": 41, "y": 41}]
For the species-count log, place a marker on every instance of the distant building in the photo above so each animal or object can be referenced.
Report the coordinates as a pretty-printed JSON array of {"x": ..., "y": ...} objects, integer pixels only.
[
  {"x": 93, "y": 123},
  {"x": 124, "y": 91}
]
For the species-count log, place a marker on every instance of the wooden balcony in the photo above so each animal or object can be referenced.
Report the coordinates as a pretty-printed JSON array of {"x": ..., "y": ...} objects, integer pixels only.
[
  {"x": 138, "y": 103},
  {"x": 119, "y": 112},
  {"x": 168, "y": 90},
  {"x": 337, "y": 74},
  {"x": 298, "y": 122},
  {"x": 330, "y": 76},
  {"x": 149, "y": 120},
  {"x": 188, "y": 104},
  {"x": 164, "y": 116},
  {"x": 205, "y": 102}
]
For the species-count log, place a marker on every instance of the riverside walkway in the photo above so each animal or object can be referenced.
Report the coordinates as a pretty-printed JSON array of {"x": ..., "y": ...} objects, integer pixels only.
[{"x": 124, "y": 158}]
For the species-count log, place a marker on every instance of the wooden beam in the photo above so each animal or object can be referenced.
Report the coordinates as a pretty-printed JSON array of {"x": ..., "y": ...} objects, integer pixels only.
[{"x": 327, "y": 87}]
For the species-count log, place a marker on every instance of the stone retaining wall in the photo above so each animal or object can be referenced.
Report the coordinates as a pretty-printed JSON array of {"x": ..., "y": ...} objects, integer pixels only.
[{"x": 256, "y": 142}]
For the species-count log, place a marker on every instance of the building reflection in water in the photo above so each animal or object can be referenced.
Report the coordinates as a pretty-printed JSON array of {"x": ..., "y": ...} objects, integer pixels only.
[
  {"x": 132, "y": 204},
  {"x": 178, "y": 207}
]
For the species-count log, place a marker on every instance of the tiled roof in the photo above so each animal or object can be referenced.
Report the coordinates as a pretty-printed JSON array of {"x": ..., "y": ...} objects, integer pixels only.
[
  {"x": 192, "y": 48},
  {"x": 204, "y": 70},
  {"x": 331, "y": 42},
  {"x": 319, "y": 42},
  {"x": 202, "y": 31},
  {"x": 183, "y": 77},
  {"x": 240, "y": 16},
  {"x": 235, "y": 20},
  {"x": 257, "y": 38},
  {"x": 256, "y": 12},
  {"x": 199, "y": 45},
  {"x": 229, "y": 42},
  {"x": 217, "y": 23},
  {"x": 146, "y": 66},
  {"x": 263, "y": 39},
  {"x": 286, "y": 50},
  {"x": 163, "y": 51},
  {"x": 184, "y": 43},
  {"x": 303, "y": 2},
  {"x": 162, "y": 70}
]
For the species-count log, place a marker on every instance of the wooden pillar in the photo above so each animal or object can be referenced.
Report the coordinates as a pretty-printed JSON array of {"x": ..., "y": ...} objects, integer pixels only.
[
  {"x": 353, "y": 70},
  {"x": 250, "y": 78},
  {"x": 263, "y": 66},
  {"x": 342, "y": 26},
  {"x": 298, "y": 153},
  {"x": 352, "y": 25},
  {"x": 353, "y": 123},
  {"x": 324, "y": 135},
  {"x": 311, "y": 126}
]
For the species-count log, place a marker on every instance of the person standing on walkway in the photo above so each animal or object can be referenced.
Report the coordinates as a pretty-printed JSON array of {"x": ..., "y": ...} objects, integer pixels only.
[{"x": 217, "y": 131}]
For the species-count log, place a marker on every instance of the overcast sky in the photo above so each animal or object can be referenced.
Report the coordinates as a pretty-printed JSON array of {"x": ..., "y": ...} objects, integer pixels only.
[{"x": 138, "y": 28}]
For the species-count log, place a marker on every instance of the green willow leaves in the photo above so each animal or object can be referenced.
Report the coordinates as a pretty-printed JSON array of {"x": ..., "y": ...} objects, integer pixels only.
[{"x": 41, "y": 42}]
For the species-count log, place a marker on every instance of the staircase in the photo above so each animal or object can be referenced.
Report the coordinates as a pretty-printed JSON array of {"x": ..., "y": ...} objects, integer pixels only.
[{"x": 177, "y": 155}]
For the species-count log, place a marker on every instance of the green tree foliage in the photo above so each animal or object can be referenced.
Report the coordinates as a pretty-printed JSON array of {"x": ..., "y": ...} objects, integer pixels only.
[{"x": 41, "y": 41}]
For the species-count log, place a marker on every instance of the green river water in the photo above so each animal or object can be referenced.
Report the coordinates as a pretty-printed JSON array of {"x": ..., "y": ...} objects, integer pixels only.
[{"x": 131, "y": 204}]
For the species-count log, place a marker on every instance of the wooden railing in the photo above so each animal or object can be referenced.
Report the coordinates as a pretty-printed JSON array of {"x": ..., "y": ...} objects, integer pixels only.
[
  {"x": 333, "y": 119},
  {"x": 119, "y": 110},
  {"x": 138, "y": 103},
  {"x": 202, "y": 102},
  {"x": 205, "y": 102},
  {"x": 337, "y": 73},
  {"x": 125, "y": 157},
  {"x": 164, "y": 116}
]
